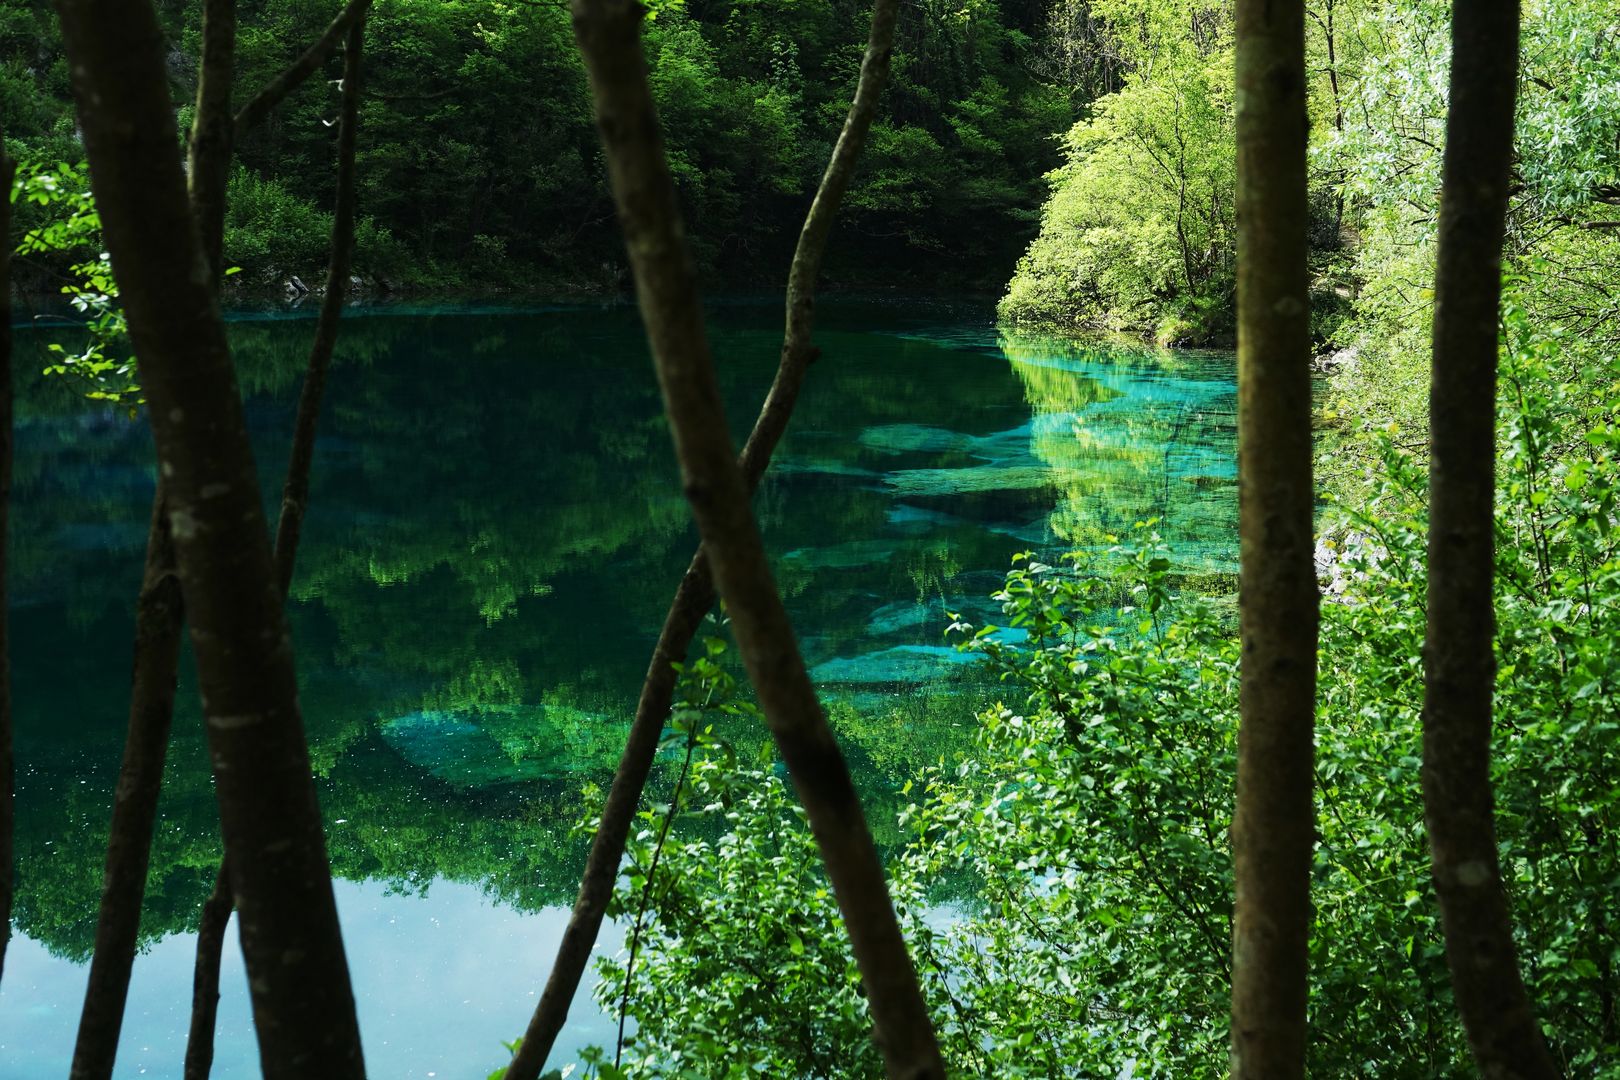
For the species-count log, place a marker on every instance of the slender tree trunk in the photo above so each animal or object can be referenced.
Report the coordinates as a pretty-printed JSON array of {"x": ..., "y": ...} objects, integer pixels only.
[
  {"x": 1459, "y": 666},
  {"x": 608, "y": 32},
  {"x": 295, "y": 492},
  {"x": 8, "y": 780},
  {"x": 211, "y": 926},
  {"x": 216, "y": 911},
  {"x": 209, "y": 156},
  {"x": 1273, "y": 827},
  {"x": 695, "y": 594},
  {"x": 159, "y": 617},
  {"x": 303, "y": 1007}
]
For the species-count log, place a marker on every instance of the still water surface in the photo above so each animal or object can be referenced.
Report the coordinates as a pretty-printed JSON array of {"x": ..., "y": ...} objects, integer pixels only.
[{"x": 496, "y": 528}]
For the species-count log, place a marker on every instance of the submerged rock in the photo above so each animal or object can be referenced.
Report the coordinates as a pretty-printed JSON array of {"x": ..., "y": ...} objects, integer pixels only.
[
  {"x": 911, "y": 665},
  {"x": 490, "y": 745}
]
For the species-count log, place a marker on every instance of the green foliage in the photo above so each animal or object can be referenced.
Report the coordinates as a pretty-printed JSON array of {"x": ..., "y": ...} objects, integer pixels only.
[
  {"x": 720, "y": 905},
  {"x": 1092, "y": 818},
  {"x": 1388, "y": 154},
  {"x": 479, "y": 164},
  {"x": 1139, "y": 230},
  {"x": 270, "y": 231},
  {"x": 62, "y": 229},
  {"x": 745, "y": 970}
]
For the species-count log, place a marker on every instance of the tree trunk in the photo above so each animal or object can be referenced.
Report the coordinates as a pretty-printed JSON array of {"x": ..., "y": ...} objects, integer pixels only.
[
  {"x": 209, "y": 156},
  {"x": 8, "y": 769},
  {"x": 1459, "y": 667},
  {"x": 216, "y": 911},
  {"x": 159, "y": 617},
  {"x": 1273, "y": 825},
  {"x": 211, "y": 926},
  {"x": 608, "y": 32},
  {"x": 295, "y": 492},
  {"x": 303, "y": 1007},
  {"x": 289, "y": 527},
  {"x": 695, "y": 594}
]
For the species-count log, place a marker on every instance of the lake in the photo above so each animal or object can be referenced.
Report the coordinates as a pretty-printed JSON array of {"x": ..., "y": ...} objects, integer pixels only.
[{"x": 496, "y": 528}]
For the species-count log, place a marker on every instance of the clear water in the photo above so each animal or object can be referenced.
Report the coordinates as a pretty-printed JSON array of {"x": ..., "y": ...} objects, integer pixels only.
[{"x": 496, "y": 529}]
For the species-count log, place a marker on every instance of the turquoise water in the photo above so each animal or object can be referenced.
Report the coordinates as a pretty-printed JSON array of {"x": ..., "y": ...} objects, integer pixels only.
[{"x": 495, "y": 531}]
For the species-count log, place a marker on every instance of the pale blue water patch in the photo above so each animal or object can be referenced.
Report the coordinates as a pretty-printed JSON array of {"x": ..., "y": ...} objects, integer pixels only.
[{"x": 443, "y": 976}]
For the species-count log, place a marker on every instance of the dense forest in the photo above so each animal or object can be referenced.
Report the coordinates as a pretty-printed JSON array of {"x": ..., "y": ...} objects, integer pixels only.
[
  {"x": 481, "y": 170},
  {"x": 1287, "y": 745}
]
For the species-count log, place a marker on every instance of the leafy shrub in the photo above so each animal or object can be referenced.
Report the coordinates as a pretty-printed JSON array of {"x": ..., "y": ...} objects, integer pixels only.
[{"x": 269, "y": 231}]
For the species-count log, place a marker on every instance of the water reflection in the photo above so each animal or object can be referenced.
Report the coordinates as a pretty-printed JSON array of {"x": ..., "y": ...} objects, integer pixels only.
[
  {"x": 495, "y": 529},
  {"x": 442, "y": 978}
]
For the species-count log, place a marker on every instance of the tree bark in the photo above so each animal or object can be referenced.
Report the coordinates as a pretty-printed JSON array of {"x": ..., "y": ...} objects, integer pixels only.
[
  {"x": 1273, "y": 825},
  {"x": 8, "y": 779},
  {"x": 209, "y": 155},
  {"x": 303, "y": 1006},
  {"x": 695, "y": 594},
  {"x": 1459, "y": 665},
  {"x": 292, "y": 77},
  {"x": 608, "y": 32}
]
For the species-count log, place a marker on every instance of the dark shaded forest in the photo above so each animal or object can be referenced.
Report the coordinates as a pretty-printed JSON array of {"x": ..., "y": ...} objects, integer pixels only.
[{"x": 481, "y": 170}]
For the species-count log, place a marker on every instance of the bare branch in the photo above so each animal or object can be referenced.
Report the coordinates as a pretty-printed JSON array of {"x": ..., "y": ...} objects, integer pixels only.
[{"x": 253, "y": 113}]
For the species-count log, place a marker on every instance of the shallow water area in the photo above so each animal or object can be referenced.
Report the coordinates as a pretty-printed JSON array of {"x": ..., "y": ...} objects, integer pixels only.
[{"x": 496, "y": 528}]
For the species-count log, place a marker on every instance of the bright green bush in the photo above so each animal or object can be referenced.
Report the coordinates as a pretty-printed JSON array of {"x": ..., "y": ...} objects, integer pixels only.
[{"x": 1139, "y": 231}]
